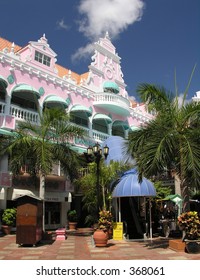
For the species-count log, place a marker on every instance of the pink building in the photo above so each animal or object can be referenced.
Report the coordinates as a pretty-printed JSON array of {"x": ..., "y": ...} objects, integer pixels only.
[{"x": 97, "y": 101}]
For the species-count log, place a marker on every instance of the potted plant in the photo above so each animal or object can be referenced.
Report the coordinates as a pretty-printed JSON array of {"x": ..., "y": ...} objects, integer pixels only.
[
  {"x": 105, "y": 224},
  {"x": 72, "y": 219},
  {"x": 189, "y": 223},
  {"x": 8, "y": 219}
]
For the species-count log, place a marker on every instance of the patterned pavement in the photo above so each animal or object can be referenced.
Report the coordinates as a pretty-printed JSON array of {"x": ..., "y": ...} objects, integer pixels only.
[{"x": 80, "y": 246}]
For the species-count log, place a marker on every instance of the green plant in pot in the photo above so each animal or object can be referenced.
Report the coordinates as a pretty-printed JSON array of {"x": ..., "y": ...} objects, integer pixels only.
[
  {"x": 105, "y": 225},
  {"x": 72, "y": 219},
  {"x": 8, "y": 219},
  {"x": 105, "y": 221},
  {"x": 189, "y": 223}
]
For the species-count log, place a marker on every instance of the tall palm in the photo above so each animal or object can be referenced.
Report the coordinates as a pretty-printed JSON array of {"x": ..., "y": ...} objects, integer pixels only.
[
  {"x": 171, "y": 140},
  {"x": 42, "y": 145},
  {"x": 88, "y": 185}
]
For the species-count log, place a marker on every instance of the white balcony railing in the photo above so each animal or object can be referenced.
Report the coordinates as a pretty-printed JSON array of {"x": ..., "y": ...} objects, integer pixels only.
[
  {"x": 99, "y": 136},
  {"x": 2, "y": 107},
  {"x": 113, "y": 100},
  {"x": 23, "y": 114}
]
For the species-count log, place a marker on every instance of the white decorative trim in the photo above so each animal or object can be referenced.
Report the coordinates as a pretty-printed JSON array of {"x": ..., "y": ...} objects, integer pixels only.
[
  {"x": 15, "y": 62},
  {"x": 104, "y": 51}
]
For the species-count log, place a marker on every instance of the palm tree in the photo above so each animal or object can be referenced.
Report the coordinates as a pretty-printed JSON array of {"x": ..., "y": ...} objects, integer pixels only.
[
  {"x": 40, "y": 146},
  {"x": 171, "y": 140},
  {"x": 87, "y": 185}
]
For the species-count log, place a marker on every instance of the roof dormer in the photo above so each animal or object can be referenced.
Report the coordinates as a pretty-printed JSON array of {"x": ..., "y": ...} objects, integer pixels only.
[{"x": 39, "y": 54}]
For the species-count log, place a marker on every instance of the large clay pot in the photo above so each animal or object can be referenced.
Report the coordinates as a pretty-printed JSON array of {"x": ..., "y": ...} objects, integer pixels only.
[
  {"x": 100, "y": 238},
  {"x": 6, "y": 229},
  {"x": 72, "y": 225}
]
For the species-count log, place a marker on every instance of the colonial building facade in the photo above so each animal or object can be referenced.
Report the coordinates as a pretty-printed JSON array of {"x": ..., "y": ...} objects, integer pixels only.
[{"x": 96, "y": 100}]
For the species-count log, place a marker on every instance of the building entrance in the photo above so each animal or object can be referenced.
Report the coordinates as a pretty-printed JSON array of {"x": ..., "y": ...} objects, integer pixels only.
[{"x": 52, "y": 215}]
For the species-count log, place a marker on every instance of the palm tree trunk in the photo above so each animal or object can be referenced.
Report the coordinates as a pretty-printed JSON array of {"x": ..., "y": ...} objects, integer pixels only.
[
  {"x": 183, "y": 183},
  {"x": 177, "y": 184},
  {"x": 185, "y": 196},
  {"x": 41, "y": 195},
  {"x": 104, "y": 198}
]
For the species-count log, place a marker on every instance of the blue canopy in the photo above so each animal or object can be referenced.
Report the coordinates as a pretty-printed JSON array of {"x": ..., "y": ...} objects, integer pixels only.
[{"x": 130, "y": 186}]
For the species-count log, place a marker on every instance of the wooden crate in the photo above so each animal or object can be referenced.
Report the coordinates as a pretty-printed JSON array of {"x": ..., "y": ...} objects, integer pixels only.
[{"x": 177, "y": 245}]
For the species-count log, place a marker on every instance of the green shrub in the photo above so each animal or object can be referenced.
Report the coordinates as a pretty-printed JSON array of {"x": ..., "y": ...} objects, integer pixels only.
[
  {"x": 72, "y": 216},
  {"x": 9, "y": 216}
]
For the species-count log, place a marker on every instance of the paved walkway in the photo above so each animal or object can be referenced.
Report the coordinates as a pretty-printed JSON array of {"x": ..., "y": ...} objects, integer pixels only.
[{"x": 80, "y": 246}]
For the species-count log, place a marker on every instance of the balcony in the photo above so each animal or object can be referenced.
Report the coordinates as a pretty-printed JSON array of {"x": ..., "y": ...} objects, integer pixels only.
[
  {"x": 2, "y": 107},
  {"x": 22, "y": 114},
  {"x": 112, "y": 103},
  {"x": 99, "y": 136}
]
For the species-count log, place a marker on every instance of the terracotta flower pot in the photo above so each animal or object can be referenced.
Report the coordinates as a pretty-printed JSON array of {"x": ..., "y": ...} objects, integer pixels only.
[
  {"x": 100, "y": 238},
  {"x": 72, "y": 225},
  {"x": 6, "y": 229}
]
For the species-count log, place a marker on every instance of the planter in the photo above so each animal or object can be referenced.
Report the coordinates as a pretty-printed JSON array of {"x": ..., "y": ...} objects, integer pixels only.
[
  {"x": 72, "y": 225},
  {"x": 100, "y": 238},
  {"x": 110, "y": 233},
  {"x": 6, "y": 229},
  {"x": 192, "y": 246},
  {"x": 177, "y": 245}
]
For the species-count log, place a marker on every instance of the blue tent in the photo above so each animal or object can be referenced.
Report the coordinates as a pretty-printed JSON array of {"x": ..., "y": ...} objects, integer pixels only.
[{"x": 130, "y": 186}]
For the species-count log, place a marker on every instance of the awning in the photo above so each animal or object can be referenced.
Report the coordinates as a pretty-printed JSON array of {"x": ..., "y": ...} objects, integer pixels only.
[
  {"x": 56, "y": 99},
  {"x": 108, "y": 85},
  {"x": 5, "y": 132},
  {"x": 174, "y": 197},
  {"x": 102, "y": 117},
  {"x": 29, "y": 195},
  {"x": 3, "y": 81},
  {"x": 134, "y": 128},
  {"x": 16, "y": 193},
  {"x": 130, "y": 186},
  {"x": 81, "y": 108},
  {"x": 125, "y": 125},
  {"x": 49, "y": 196},
  {"x": 26, "y": 88},
  {"x": 79, "y": 150}
]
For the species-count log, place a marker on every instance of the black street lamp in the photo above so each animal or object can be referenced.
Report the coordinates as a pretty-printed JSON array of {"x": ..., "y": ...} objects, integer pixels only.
[{"x": 95, "y": 154}]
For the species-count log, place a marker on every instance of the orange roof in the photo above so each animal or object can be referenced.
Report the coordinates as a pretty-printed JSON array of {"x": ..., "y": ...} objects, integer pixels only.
[
  {"x": 62, "y": 71},
  {"x": 65, "y": 72},
  {"x": 133, "y": 103},
  {"x": 6, "y": 44}
]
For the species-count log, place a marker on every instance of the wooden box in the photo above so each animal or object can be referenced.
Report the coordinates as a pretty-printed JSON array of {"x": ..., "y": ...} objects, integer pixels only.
[
  {"x": 29, "y": 220},
  {"x": 177, "y": 245}
]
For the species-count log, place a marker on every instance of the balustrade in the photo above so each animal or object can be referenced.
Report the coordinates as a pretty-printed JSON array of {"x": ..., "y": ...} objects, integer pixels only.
[
  {"x": 113, "y": 98},
  {"x": 23, "y": 114}
]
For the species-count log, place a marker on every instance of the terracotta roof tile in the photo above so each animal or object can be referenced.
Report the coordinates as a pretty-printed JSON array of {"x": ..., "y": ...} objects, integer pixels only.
[
  {"x": 133, "y": 104},
  {"x": 6, "y": 44}
]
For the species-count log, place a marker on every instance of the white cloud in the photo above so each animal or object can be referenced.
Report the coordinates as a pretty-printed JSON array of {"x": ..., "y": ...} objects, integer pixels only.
[
  {"x": 99, "y": 16},
  {"x": 181, "y": 98},
  {"x": 113, "y": 16},
  {"x": 82, "y": 52},
  {"x": 62, "y": 25},
  {"x": 132, "y": 98}
]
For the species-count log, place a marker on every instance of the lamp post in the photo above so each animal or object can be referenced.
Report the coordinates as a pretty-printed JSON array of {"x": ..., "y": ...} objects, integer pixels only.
[{"x": 95, "y": 154}]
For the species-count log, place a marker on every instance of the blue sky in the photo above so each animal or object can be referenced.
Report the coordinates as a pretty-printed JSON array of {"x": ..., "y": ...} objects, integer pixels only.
[{"x": 154, "y": 38}]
